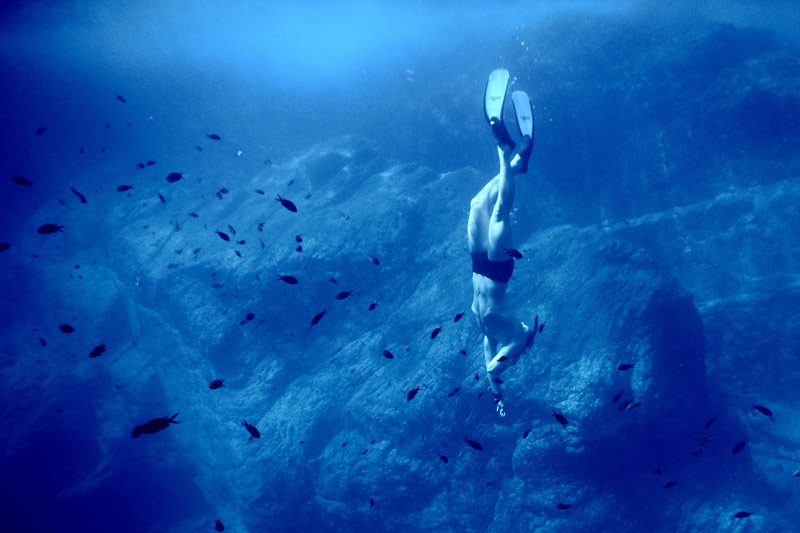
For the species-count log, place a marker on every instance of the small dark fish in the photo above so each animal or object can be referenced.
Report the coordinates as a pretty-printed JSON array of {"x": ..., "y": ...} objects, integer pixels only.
[
  {"x": 624, "y": 405},
  {"x": 298, "y": 238},
  {"x": 413, "y": 392},
  {"x": 161, "y": 197},
  {"x": 260, "y": 226},
  {"x": 140, "y": 165},
  {"x": 458, "y": 317},
  {"x": 298, "y": 249},
  {"x": 66, "y": 328},
  {"x": 502, "y": 358},
  {"x": 738, "y": 447},
  {"x": 444, "y": 458},
  {"x": 317, "y": 318},
  {"x": 513, "y": 253},
  {"x": 172, "y": 177},
  {"x": 476, "y": 377},
  {"x": 259, "y": 191},
  {"x": 709, "y": 422},
  {"x": 527, "y": 432},
  {"x": 473, "y": 444},
  {"x": 232, "y": 230},
  {"x": 541, "y": 327},
  {"x": 5, "y": 246},
  {"x": 616, "y": 397},
  {"x": 250, "y": 316},
  {"x": 374, "y": 260},
  {"x": 371, "y": 502},
  {"x": 241, "y": 242},
  {"x": 194, "y": 215},
  {"x": 47, "y": 229},
  {"x": 22, "y": 180},
  {"x": 291, "y": 280},
  {"x": 218, "y": 526},
  {"x": 372, "y": 306},
  {"x": 198, "y": 148},
  {"x": 561, "y": 418},
  {"x": 563, "y": 506},
  {"x": 497, "y": 380},
  {"x": 154, "y": 426},
  {"x": 40, "y": 130},
  {"x": 120, "y": 98},
  {"x": 462, "y": 351},
  {"x": 287, "y": 204},
  {"x": 625, "y": 366},
  {"x": 223, "y": 190},
  {"x": 217, "y": 383},
  {"x": 704, "y": 441},
  {"x": 42, "y": 341},
  {"x": 97, "y": 351},
  {"x": 764, "y": 411},
  {"x": 669, "y": 484},
  {"x": 634, "y": 405},
  {"x": 742, "y": 514},
  {"x": 214, "y": 136},
  {"x": 435, "y": 332},
  {"x": 123, "y": 188},
  {"x": 81, "y": 197},
  {"x": 238, "y": 253},
  {"x": 222, "y": 235},
  {"x": 388, "y": 355},
  {"x": 332, "y": 280},
  {"x": 254, "y": 433},
  {"x": 455, "y": 391},
  {"x": 150, "y": 163},
  {"x": 344, "y": 294}
]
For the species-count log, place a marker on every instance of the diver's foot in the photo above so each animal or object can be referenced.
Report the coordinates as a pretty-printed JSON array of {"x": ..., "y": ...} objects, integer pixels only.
[{"x": 493, "y": 108}]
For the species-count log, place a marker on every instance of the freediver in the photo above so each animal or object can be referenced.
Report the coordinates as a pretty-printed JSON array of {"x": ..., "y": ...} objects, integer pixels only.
[{"x": 489, "y": 233}]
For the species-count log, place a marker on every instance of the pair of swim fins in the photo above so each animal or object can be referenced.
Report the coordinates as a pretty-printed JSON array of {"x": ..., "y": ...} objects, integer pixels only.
[{"x": 494, "y": 99}]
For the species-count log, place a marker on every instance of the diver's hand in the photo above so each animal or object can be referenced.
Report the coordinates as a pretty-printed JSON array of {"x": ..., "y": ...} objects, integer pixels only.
[{"x": 501, "y": 409}]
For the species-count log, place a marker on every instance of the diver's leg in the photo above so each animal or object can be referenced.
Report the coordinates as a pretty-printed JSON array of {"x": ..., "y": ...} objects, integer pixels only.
[
  {"x": 479, "y": 214},
  {"x": 500, "y": 220},
  {"x": 519, "y": 336}
]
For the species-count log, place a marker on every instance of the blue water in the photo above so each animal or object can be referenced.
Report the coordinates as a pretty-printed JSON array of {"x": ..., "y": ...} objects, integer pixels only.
[{"x": 658, "y": 227}]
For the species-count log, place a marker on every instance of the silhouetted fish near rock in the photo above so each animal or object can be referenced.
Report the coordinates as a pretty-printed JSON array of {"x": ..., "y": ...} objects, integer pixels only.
[
  {"x": 298, "y": 238},
  {"x": 444, "y": 458},
  {"x": 709, "y": 422},
  {"x": 42, "y": 342},
  {"x": 317, "y": 318},
  {"x": 194, "y": 215},
  {"x": 435, "y": 332},
  {"x": 120, "y": 98},
  {"x": 66, "y": 328},
  {"x": 624, "y": 405},
  {"x": 222, "y": 235},
  {"x": 259, "y": 191},
  {"x": 238, "y": 253},
  {"x": 625, "y": 366},
  {"x": 97, "y": 351},
  {"x": 344, "y": 294},
  {"x": 47, "y": 229},
  {"x": 214, "y": 136},
  {"x": 291, "y": 280},
  {"x": 476, "y": 377},
  {"x": 172, "y": 177},
  {"x": 413, "y": 392},
  {"x": 497, "y": 380},
  {"x": 742, "y": 514},
  {"x": 371, "y": 502},
  {"x": 215, "y": 384},
  {"x": 372, "y": 306},
  {"x": 541, "y": 326},
  {"x": 561, "y": 418},
  {"x": 223, "y": 190},
  {"x": 563, "y": 506},
  {"x": 22, "y": 180},
  {"x": 40, "y": 130},
  {"x": 140, "y": 165},
  {"x": 81, "y": 197},
  {"x": 513, "y": 253},
  {"x": 764, "y": 411},
  {"x": 123, "y": 188},
  {"x": 473, "y": 444},
  {"x": 388, "y": 355},
  {"x": 198, "y": 148},
  {"x": 150, "y": 163},
  {"x": 154, "y": 426},
  {"x": 161, "y": 197},
  {"x": 287, "y": 204},
  {"x": 254, "y": 433},
  {"x": 527, "y": 432},
  {"x": 454, "y": 392},
  {"x": 374, "y": 260},
  {"x": 4, "y": 246},
  {"x": 616, "y": 397},
  {"x": 669, "y": 484},
  {"x": 462, "y": 351},
  {"x": 738, "y": 446},
  {"x": 218, "y": 526},
  {"x": 458, "y": 317}
]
